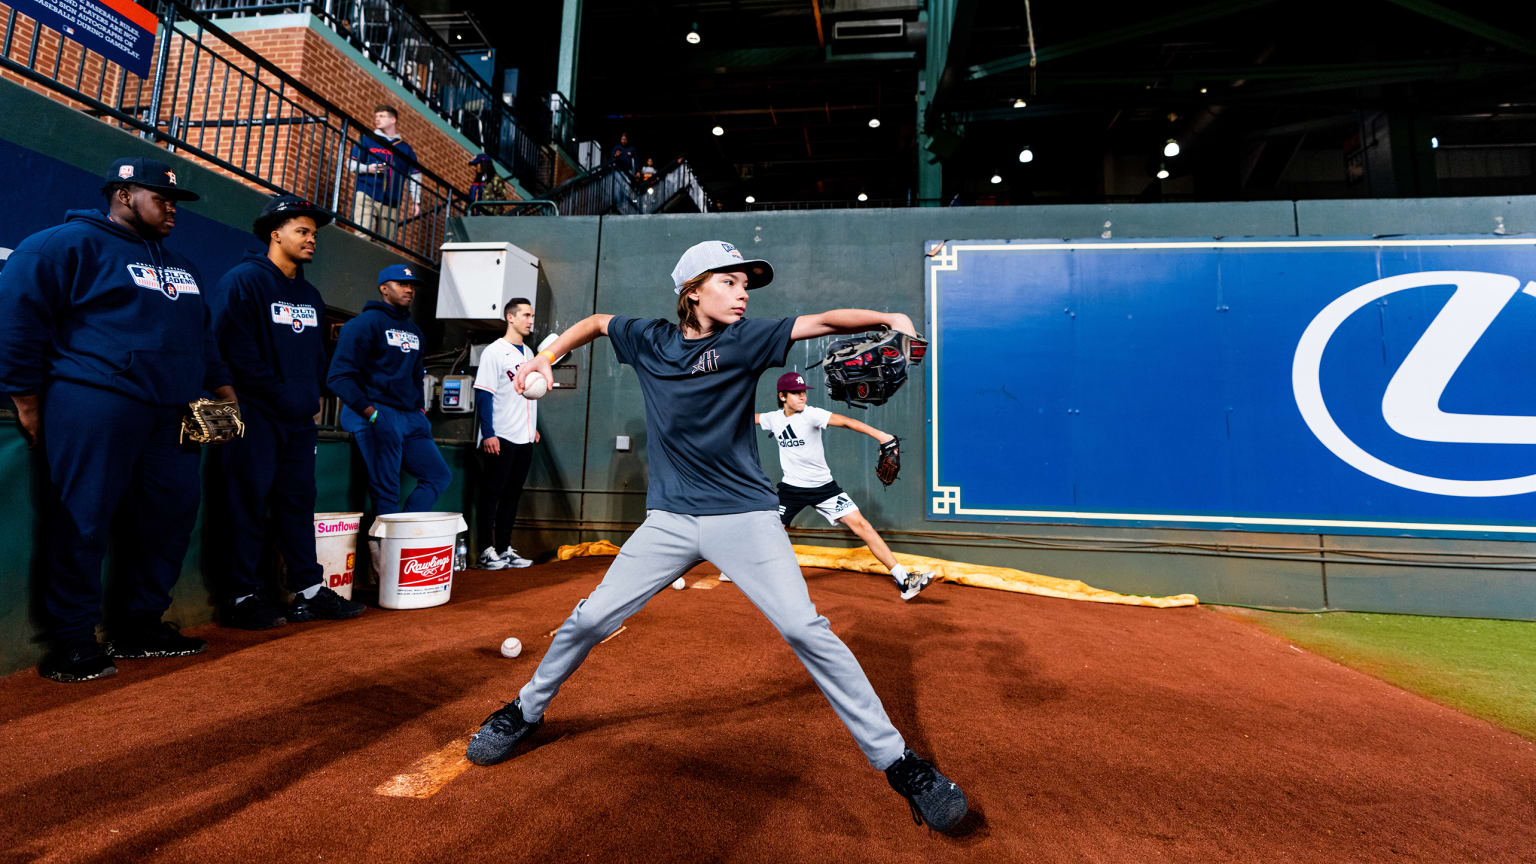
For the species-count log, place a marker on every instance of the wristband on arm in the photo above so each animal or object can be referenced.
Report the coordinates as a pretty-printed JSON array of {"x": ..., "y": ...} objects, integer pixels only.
[{"x": 547, "y": 354}]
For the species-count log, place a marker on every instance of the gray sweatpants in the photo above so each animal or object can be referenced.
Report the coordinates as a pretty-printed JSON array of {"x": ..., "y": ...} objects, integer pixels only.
[{"x": 755, "y": 550}]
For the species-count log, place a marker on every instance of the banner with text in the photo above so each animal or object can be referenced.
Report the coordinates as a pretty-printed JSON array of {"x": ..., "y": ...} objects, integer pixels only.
[{"x": 120, "y": 30}]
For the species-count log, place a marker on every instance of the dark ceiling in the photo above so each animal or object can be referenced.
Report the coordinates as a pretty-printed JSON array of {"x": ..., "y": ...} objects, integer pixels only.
[{"x": 1267, "y": 99}]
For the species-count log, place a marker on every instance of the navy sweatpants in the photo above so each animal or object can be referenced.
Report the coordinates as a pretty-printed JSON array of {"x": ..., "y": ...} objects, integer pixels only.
[
  {"x": 271, "y": 469},
  {"x": 399, "y": 439},
  {"x": 104, "y": 450}
]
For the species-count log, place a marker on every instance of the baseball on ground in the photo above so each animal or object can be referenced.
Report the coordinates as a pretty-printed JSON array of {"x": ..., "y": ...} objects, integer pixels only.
[
  {"x": 535, "y": 386},
  {"x": 511, "y": 647}
]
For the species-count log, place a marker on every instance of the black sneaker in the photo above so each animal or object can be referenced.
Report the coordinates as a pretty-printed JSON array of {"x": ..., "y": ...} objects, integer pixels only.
[
  {"x": 75, "y": 663},
  {"x": 160, "y": 639},
  {"x": 500, "y": 733},
  {"x": 254, "y": 613},
  {"x": 915, "y": 584},
  {"x": 934, "y": 798},
  {"x": 326, "y": 605}
]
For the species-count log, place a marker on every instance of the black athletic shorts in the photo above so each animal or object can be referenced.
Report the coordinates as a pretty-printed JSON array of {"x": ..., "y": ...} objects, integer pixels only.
[{"x": 793, "y": 499}]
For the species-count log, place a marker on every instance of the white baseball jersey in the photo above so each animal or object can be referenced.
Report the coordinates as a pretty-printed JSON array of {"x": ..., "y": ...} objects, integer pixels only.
[
  {"x": 513, "y": 417},
  {"x": 801, "y": 455}
]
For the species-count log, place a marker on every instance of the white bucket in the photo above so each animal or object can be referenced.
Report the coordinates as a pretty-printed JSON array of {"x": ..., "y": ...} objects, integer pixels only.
[
  {"x": 336, "y": 548},
  {"x": 415, "y": 561}
]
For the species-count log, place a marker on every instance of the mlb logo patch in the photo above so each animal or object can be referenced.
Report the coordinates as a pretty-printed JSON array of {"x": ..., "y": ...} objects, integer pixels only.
[
  {"x": 402, "y": 339},
  {"x": 295, "y": 315},
  {"x": 141, "y": 274},
  {"x": 124, "y": 172}
]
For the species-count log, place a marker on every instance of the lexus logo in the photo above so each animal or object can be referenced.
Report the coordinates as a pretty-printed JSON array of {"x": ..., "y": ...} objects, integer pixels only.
[{"x": 1411, "y": 405}]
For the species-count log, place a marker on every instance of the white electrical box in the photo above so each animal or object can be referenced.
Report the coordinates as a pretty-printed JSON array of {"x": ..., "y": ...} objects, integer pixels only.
[
  {"x": 477, "y": 278},
  {"x": 428, "y": 391},
  {"x": 458, "y": 394}
]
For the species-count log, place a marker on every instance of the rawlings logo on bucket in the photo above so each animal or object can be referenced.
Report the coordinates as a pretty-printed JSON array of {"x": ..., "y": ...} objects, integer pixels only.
[{"x": 423, "y": 567}]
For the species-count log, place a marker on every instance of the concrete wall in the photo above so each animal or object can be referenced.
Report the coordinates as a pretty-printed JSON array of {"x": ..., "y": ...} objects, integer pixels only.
[{"x": 872, "y": 258}]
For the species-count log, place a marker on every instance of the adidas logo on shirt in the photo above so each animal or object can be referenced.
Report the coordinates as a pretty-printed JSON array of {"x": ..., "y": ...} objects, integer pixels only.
[{"x": 787, "y": 438}]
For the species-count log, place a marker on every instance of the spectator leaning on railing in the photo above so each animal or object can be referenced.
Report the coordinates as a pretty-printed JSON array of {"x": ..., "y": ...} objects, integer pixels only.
[{"x": 382, "y": 176}]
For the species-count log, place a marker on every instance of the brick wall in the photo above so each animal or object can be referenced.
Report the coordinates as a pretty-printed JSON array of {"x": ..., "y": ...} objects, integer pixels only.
[{"x": 219, "y": 108}]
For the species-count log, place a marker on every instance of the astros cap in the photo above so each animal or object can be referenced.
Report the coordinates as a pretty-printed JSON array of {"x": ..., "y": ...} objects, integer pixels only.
[
  {"x": 151, "y": 174},
  {"x": 792, "y": 382},
  {"x": 713, "y": 255},
  {"x": 398, "y": 273}
]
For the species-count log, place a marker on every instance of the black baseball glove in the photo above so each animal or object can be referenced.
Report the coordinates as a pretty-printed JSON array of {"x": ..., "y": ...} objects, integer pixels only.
[
  {"x": 868, "y": 370},
  {"x": 888, "y": 467}
]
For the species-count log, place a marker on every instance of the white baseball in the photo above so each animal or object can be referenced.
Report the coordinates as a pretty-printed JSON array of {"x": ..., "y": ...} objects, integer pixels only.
[
  {"x": 534, "y": 386},
  {"x": 511, "y": 647},
  {"x": 680, "y": 584}
]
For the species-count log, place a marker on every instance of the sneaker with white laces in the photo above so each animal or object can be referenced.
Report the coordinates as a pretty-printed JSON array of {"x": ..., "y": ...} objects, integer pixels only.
[
  {"x": 933, "y": 798},
  {"x": 513, "y": 559},
  {"x": 490, "y": 559},
  {"x": 916, "y": 582}
]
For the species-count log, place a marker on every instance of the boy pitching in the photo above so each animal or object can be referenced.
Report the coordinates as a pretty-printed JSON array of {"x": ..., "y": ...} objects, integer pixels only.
[
  {"x": 808, "y": 482},
  {"x": 708, "y": 499}
]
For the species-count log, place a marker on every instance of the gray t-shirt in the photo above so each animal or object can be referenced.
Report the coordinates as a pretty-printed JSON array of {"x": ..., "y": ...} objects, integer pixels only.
[{"x": 698, "y": 410}]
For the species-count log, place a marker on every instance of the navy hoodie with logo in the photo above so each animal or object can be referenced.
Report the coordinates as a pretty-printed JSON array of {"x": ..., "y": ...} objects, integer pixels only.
[
  {"x": 269, "y": 332},
  {"x": 378, "y": 360},
  {"x": 92, "y": 302}
]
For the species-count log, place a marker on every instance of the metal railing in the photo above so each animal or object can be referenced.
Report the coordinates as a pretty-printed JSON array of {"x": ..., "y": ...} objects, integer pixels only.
[
  {"x": 410, "y": 51},
  {"x": 217, "y": 100},
  {"x": 610, "y": 190}
]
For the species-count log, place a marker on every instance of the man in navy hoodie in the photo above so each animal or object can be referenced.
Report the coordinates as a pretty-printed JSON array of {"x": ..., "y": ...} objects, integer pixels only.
[
  {"x": 377, "y": 372},
  {"x": 268, "y": 318},
  {"x": 104, "y": 339}
]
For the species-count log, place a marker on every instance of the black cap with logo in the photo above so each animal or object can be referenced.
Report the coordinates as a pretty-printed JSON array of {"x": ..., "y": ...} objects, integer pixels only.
[
  {"x": 281, "y": 208},
  {"x": 151, "y": 174}
]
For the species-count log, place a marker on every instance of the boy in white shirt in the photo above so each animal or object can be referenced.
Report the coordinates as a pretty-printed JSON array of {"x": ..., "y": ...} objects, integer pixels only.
[
  {"x": 508, "y": 430},
  {"x": 808, "y": 482}
]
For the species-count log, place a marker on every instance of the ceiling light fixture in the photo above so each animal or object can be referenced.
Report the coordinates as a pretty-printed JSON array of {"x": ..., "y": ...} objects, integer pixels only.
[
  {"x": 1171, "y": 149},
  {"x": 717, "y": 131},
  {"x": 1205, "y": 89},
  {"x": 863, "y": 197},
  {"x": 1434, "y": 143},
  {"x": 751, "y": 199},
  {"x": 1162, "y": 172},
  {"x": 874, "y": 122},
  {"x": 996, "y": 179},
  {"x": 693, "y": 37},
  {"x": 1026, "y": 155},
  {"x": 1020, "y": 103}
]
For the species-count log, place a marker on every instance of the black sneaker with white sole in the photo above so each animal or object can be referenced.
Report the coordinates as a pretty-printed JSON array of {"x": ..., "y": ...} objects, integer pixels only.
[
  {"x": 254, "y": 613},
  {"x": 72, "y": 664},
  {"x": 934, "y": 798},
  {"x": 915, "y": 584},
  {"x": 160, "y": 639},
  {"x": 326, "y": 605},
  {"x": 500, "y": 734}
]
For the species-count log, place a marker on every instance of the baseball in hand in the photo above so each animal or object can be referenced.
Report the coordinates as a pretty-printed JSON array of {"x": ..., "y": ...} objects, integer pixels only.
[
  {"x": 534, "y": 386},
  {"x": 511, "y": 647},
  {"x": 680, "y": 584}
]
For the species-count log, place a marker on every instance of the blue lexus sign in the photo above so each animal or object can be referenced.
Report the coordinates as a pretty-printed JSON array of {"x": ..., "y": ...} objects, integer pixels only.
[{"x": 1331, "y": 385}]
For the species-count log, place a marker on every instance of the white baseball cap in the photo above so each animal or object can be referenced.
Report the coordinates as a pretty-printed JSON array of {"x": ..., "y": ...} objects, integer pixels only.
[{"x": 714, "y": 255}]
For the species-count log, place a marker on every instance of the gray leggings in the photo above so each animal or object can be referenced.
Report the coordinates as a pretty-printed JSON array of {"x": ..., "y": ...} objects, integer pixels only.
[{"x": 754, "y": 549}]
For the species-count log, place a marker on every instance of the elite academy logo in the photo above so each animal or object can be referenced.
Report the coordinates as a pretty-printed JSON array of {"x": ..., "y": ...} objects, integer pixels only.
[
  {"x": 295, "y": 315},
  {"x": 788, "y": 438},
  {"x": 405, "y": 340},
  {"x": 1411, "y": 404},
  {"x": 170, "y": 281},
  {"x": 709, "y": 361}
]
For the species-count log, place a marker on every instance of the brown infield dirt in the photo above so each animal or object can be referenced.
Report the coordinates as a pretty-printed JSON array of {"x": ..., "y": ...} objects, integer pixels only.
[{"x": 1081, "y": 732}]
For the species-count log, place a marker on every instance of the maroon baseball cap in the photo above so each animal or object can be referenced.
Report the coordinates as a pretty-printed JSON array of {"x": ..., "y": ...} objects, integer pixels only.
[{"x": 792, "y": 382}]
